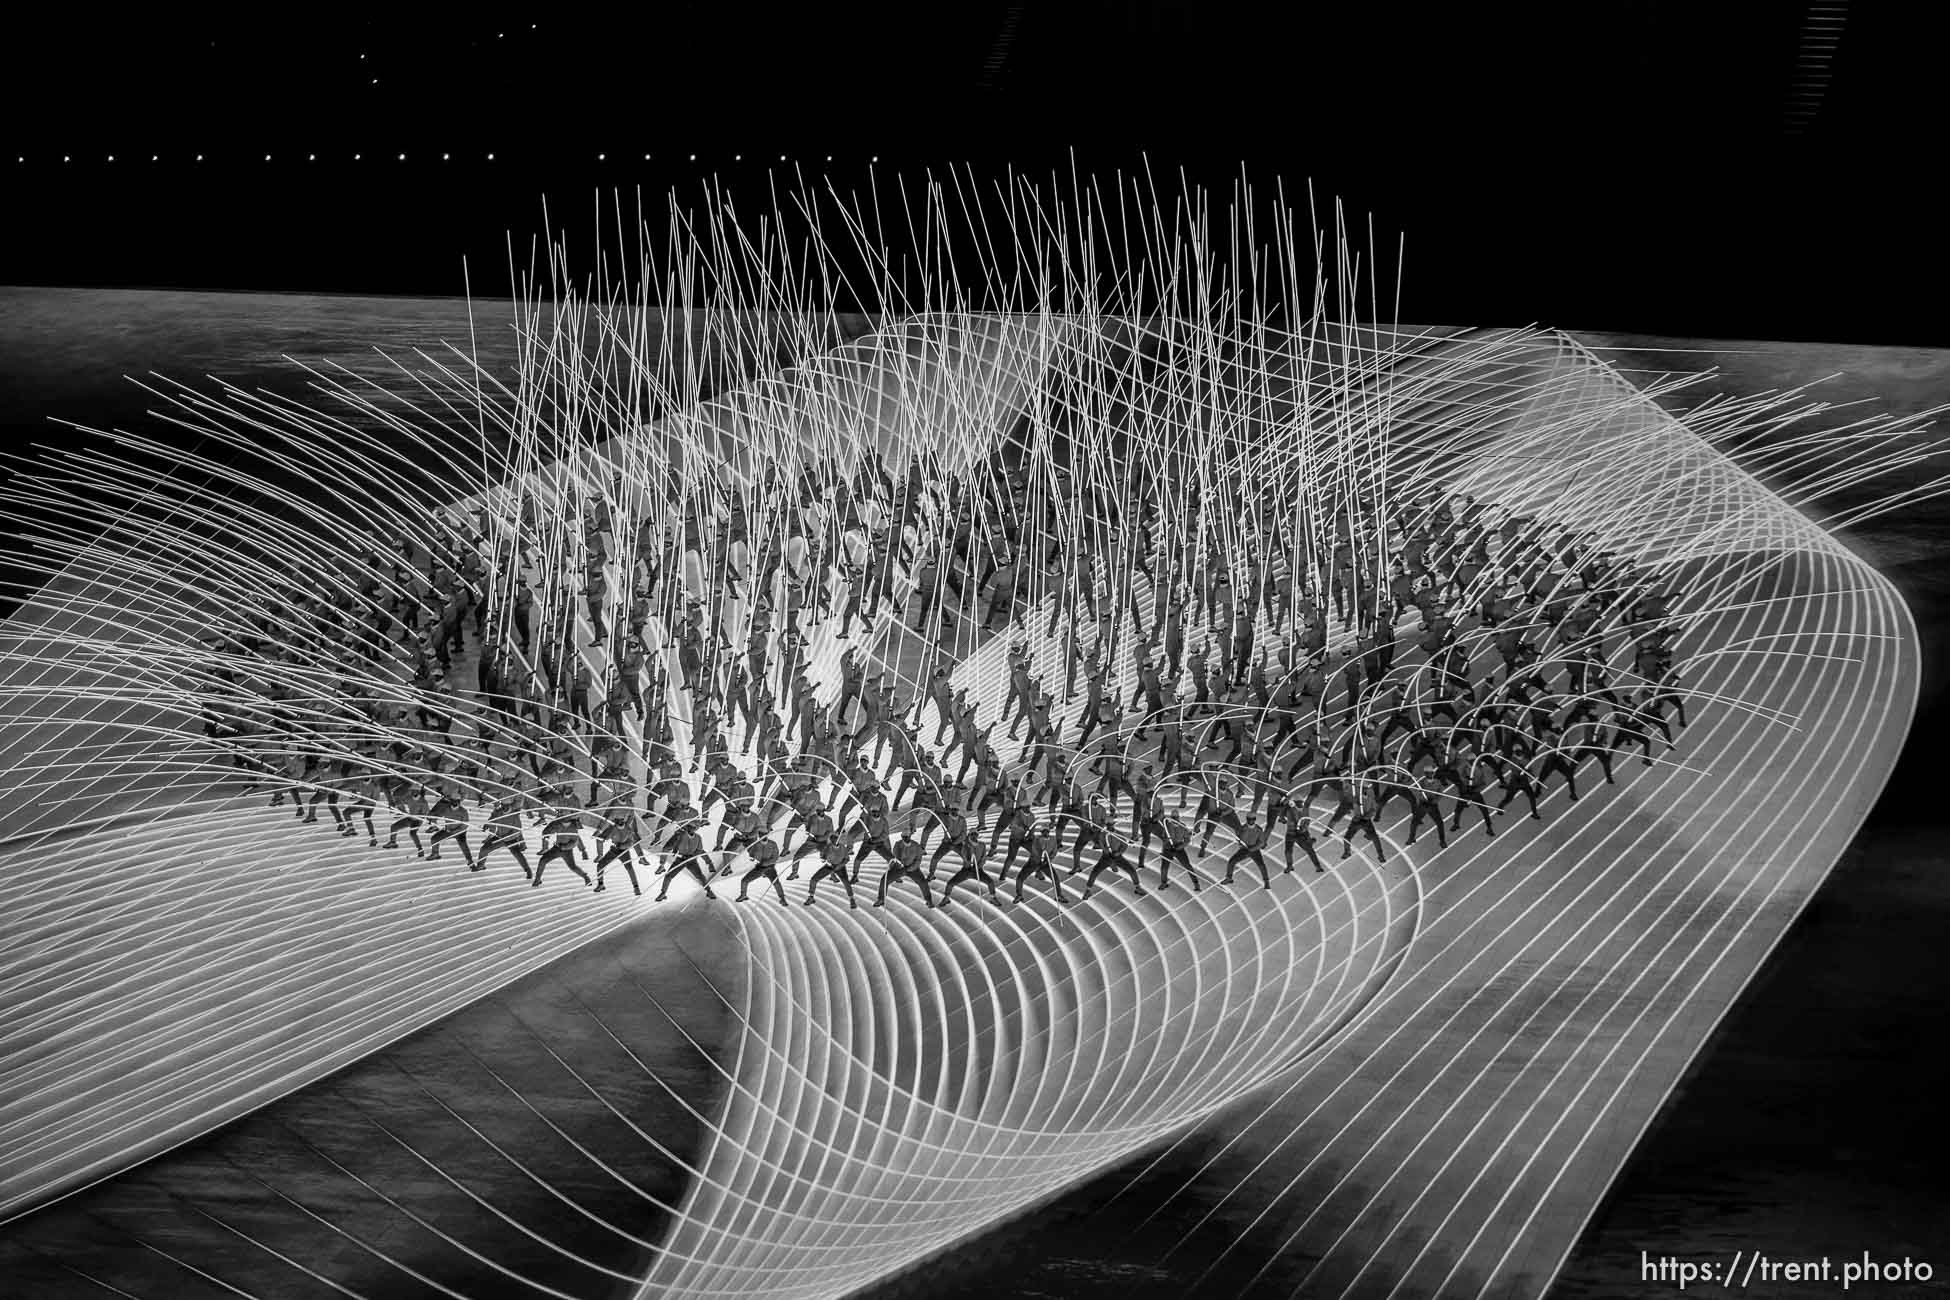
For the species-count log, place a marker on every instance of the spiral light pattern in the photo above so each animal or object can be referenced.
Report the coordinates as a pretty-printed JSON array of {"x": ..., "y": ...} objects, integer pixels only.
[{"x": 1448, "y": 1053}]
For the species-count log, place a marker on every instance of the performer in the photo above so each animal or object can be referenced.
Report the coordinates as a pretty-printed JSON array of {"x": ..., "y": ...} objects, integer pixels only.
[
  {"x": 704, "y": 734},
  {"x": 1091, "y": 817},
  {"x": 504, "y": 831},
  {"x": 740, "y": 799},
  {"x": 360, "y": 794},
  {"x": 1290, "y": 809},
  {"x": 562, "y": 838},
  {"x": 767, "y": 734},
  {"x": 1114, "y": 772},
  {"x": 805, "y": 710},
  {"x": 1629, "y": 728},
  {"x": 690, "y": 647},
  {"x": 812, "y": 817},
  {"x": 835, "y": 854},
  {"x": 1173, "y": 753},
  {"x": 979, "y": 754},
  {"x": 891, "y": 724},
  {"x": 687, "y": 854},
  {"x": 921, "y": 775},
  {"x": 1463, "y": 772},
  {"x": 927, "y": 594},
  {"x": 904, "y": 861},
  {"x": 1174, "y": 632},
  {"x": 1002, "y": 595},
  {"x": 863, "y": 786},
  {"x": 853, "y": 680},
  {"x": 765, "y": 859},
  {"x": 973, "y": 856},
  {"x": 613, "y": 779},
  {"x": 1098, "y": 709},
  {"x": 1517, "y": 780},
  {"x": 1022, "y": 688},
  {"x": 1040, "y": 862},
  {"x": 1018, "y": 821},
  {"x": 873, "y": 693},
  {"x": 741, "y": 699},
  {"x": 449, "y": 818},
  {"x": 675, "y": 791},
  {"x": 1363, "y": 822},
  {"x": 1214, "y": 808},
  {"x": 946, "y": 700},
  {"x": 1042, "y": 741},
  {"x": 746, "y": 831},
  {"x": 624, "y": 832},
  {"x": 1252, "y": 842},
  {"x": 1648, "y": 705},
  {"x": 875, "y": 836},
  {"x": 1584, "y": 736},
  {"x": 410, "y": 801},
  {"x": 324, "y": 773},
  {"x": 1151, "y": 692},
  {"x": 1116, "y": 856},
  {"x": 1173, "y": 838},
  {"x": 296, "y": 769},
  {"x": 1423, "y": 802},
  {"x": 1667, "y": 690},
  {"x": 1556, "y": 757}
]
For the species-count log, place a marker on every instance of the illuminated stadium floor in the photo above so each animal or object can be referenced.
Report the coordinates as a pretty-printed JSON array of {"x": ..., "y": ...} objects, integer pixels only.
[{"x": 1476, "y": 1043}]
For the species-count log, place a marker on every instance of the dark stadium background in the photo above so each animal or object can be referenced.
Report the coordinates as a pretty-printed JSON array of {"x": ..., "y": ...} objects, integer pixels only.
[
  {"x": 1693, "y": 171},
  {"x": 1611, "y": 165}
]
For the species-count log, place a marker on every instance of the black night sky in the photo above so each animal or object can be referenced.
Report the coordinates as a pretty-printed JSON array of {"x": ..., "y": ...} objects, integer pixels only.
[{"x": 1709, "y": 169}]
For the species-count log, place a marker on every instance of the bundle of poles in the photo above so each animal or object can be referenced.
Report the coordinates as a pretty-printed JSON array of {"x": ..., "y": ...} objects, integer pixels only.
[{"x": 1120, "y": 425}]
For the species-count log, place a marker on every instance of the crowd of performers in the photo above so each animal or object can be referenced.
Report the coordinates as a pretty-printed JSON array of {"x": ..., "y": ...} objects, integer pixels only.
[{"x": 1268, "y": 684}]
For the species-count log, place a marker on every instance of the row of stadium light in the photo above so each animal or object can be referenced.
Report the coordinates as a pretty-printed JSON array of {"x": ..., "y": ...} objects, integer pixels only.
[{"x": 445, "y": 157}]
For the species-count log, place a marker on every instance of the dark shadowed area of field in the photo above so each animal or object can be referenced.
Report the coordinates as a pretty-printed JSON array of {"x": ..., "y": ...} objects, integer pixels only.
[{"x": 545, "y": 1132}]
